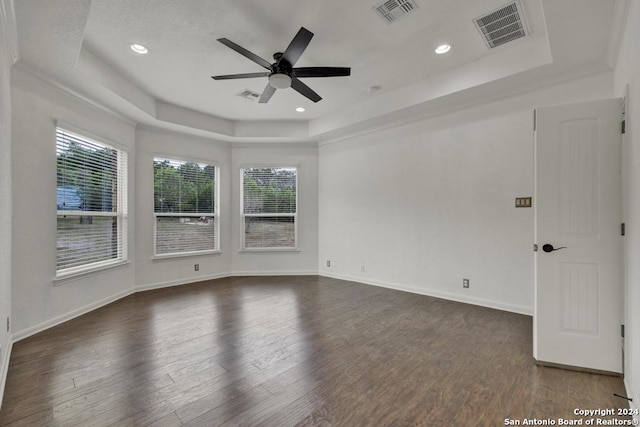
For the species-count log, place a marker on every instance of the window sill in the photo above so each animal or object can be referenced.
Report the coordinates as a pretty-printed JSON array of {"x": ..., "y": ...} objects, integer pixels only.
[
  {"x": 266, "y": 250},
  {"x": 70, "y": 277},
  {"x": 183, "y": 255}
]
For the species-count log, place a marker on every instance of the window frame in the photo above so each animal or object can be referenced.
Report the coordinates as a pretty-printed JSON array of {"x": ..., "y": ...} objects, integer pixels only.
[
  {"x": 215, "y": 214},
  {"x": 121, "y": 214},
  {"x": 243, "y": 215}
]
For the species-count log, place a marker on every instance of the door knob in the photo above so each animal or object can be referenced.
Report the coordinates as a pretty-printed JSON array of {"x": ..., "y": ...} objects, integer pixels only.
[{"x": 549, "y": 248}]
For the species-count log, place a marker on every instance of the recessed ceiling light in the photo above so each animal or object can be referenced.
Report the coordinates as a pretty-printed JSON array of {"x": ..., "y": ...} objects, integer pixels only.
[
  {"x": 443, "y": 48},
  {"x": 301, "y": 109},
  {"x": 138, "y": 48}
]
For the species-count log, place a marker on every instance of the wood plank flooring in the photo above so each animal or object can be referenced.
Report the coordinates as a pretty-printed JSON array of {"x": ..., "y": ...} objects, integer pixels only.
[{"x": 284, "y": 351}]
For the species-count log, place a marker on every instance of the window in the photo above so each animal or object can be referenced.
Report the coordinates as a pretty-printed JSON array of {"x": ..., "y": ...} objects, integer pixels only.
[
  {"x": 185, "y": 199},
  {"x": 269, "y": 207},
  {"x": 91, "y": 198}
]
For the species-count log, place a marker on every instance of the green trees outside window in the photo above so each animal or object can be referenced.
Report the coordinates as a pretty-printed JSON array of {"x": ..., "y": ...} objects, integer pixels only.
[
  {"x": 91, "y": 195},
  {"x": 269, "y": 207},
  {"x": 185, "y": 207}
]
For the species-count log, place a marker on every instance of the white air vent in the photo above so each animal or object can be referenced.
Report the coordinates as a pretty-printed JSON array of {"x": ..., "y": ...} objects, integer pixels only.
[
  {"x": 391, "y": 10},
  {"x": 502, "y": 25},
  {"x": 249, "y": 94}
]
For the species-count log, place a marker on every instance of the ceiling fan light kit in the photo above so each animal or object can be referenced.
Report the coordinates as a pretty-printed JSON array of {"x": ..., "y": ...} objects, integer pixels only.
[
  {"x": 279, "y": 81},
  {"x": 281, "y": 73}
]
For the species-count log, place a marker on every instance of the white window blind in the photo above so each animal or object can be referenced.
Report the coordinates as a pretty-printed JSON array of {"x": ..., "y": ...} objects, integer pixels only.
[
  {"x": 91, "y": 190},
  {"x": 185, "y": 198},
  {"x": 269, "y": 207}
]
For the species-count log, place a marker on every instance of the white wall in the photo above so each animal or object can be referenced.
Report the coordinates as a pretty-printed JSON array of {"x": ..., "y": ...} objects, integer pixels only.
[
  {"x": 150, "y": 143},
  {"x": 305, "y": 260},
  {"x": 627, "y": 71},
  {"x": 5, "y": 202},
  {"x": 37, "y": 303},
  {"x": 423, "y": 205}
]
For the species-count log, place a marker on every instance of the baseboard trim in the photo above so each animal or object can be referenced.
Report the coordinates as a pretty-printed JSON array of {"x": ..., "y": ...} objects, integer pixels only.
[
  {"x": 25, "y": 333},
  {"x": 635, "y": 404},
  {"x": 274, "y": 273},
  {"x": 172, "y": 283},
  {"x": 577, "y": 368},
  {"x": 5, "y": 368},
  {"x": 528, "y": 311}
]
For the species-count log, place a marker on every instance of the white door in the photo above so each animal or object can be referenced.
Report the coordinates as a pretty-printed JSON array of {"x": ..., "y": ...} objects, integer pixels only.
[{"x": 577, "y": 205}]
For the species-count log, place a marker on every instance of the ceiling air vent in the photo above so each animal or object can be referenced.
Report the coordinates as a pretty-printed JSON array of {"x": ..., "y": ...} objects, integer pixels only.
[
  {"x": 392, "y": 10},
  {"x": 502, "y": 25},
  {"x": 249, "y": 94}
]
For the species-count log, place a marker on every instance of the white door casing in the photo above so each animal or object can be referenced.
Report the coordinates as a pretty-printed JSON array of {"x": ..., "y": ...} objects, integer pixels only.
[{"x": 577, "y": 205}]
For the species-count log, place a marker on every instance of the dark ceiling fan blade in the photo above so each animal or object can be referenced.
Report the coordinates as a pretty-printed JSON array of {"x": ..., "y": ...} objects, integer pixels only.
[
  {"x": 240, "y": 76},
  {"x": 267, "y": 94},
  {"x": 322, "y": 71},
  {"x": 305, "y": 90},
  {"x": 244, "y": 52},
  {"x": 297, "y": 46}
]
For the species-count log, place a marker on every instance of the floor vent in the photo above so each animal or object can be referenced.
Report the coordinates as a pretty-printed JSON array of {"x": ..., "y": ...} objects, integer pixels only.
[
  {"x": 392, "y": 10},
  {"x": 249, "y": 94},
  {"x": 502, "y": 25}
]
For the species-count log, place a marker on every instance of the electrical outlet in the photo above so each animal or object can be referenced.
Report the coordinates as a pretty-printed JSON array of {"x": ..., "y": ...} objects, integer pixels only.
[
  {"x": 328, "y": 263},
  {"x": 8, "y": 323},
  {"x": 465, "y": 283},
  {"x": 196, "y": 267}
]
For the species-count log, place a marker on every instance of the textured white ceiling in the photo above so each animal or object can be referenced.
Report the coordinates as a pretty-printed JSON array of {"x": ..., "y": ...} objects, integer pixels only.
[{"x": 84, "y": 45}]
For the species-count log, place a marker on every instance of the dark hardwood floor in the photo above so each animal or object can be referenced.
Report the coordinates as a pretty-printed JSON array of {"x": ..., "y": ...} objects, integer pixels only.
[{"x": 281, "y": 351}]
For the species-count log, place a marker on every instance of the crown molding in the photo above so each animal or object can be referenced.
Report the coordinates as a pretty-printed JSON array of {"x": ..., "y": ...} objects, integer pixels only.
[
  {"x": 461, "y": 106},
  {"x": 618, "y": 27},
  {"x": 30, "y": 72},
  {"x": 9, "y": 29}
]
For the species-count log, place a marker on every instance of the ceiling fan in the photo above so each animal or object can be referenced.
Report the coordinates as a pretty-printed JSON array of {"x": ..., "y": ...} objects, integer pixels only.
[{"x": 281, "y": 73}]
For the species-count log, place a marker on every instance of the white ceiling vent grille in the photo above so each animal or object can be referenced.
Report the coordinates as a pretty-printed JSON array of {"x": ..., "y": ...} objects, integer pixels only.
[
  {"x": 392, "y": 10},
  {"x": 502, "y": 25},
  {"x": 249, "y": 94}
]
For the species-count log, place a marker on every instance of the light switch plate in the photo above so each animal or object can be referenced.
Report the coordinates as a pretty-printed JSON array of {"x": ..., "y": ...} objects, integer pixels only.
[{"x": 523, "y": 202}]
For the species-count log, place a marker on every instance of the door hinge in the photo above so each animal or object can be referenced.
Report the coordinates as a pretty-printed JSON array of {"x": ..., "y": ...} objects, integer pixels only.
[
  {"x": 535, "y": 248},
  {"x": 623, "y": 127},
  {"x": 622, "y": 330},
  {"x": 623, "y": 229},
  {"x": 534, "y": 120}
]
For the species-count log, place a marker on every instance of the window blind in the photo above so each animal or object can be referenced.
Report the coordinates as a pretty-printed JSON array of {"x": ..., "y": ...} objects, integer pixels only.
[
  {"x": 91, "y": 203},
  {"x": 186, "y": 220},
  {"x": 269, "y": 207}
]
